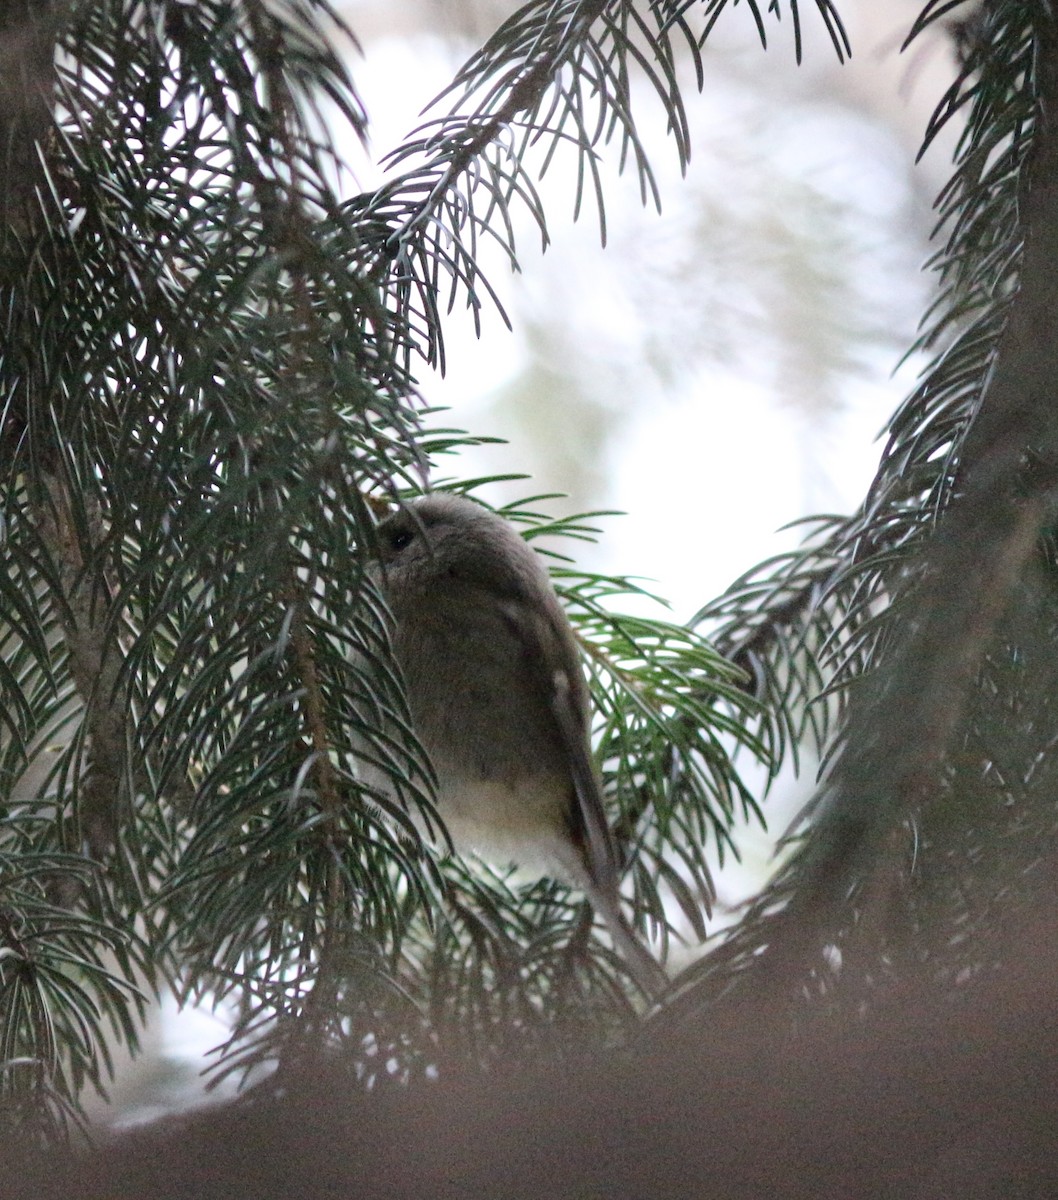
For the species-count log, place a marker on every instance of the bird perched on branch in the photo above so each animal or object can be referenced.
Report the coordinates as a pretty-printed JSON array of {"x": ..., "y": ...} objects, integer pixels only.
[{"x": 499, "y": 702}]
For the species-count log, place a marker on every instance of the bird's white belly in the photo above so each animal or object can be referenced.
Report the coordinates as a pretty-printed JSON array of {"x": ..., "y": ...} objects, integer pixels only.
[{"x": 524, "y": 821}]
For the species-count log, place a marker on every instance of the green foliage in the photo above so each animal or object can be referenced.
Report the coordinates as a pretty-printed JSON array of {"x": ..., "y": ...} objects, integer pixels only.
[
  {"x": 555, "y": 77},
  {"x": 914, "y": 640},
  {"x": 206, "y": 364}
]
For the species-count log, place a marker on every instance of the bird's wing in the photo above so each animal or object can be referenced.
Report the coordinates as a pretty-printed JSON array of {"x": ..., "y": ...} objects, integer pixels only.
[{"x": 553, "y": 660}]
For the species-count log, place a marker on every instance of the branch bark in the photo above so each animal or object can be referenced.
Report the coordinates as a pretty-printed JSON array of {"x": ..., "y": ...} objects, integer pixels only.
[
  {"x": 27, "y": 80},
  {"x": 96, "y": 659}
]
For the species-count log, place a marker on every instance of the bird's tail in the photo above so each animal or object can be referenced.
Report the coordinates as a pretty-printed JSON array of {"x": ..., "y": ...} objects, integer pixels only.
[{"x": 646, "y": 970}]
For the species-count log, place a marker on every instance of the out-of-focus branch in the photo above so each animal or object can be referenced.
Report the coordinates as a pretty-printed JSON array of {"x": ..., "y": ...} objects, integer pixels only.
[
  {"x": 28, "y": 31},
  {"x": 27, "y": 78},
  {"x": 923, "y": 1101},
  {"x": 85, "y": 608},
  {"x": 1017, "y": 415},
  {"x": 904, "y": 716}
]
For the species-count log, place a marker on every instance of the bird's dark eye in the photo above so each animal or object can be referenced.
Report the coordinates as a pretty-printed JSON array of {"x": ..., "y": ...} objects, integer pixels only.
[{"x": 400, "y": 538}]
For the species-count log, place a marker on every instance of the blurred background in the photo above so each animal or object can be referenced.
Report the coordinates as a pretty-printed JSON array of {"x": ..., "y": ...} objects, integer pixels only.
[
  {"x": 720, "y": 368},
  {"x": 723, "y": 367}
]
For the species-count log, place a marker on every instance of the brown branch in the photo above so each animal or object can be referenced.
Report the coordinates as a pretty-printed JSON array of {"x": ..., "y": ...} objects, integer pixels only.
[
  {"x": 288, "y": 227},
  {"x": 10, "y": 938},
  {"x": 904, "y": 717},
  {"x": 96, "y": 660},
  {"x": 524, "y": 94},
  {"x": 27, "y": 82},
  {"x": 315, "y": 709},
  {"x": 1017, "y": 411}
]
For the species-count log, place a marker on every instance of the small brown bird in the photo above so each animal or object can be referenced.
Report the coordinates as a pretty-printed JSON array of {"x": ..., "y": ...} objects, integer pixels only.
[{"x": 499, "y": 701}]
